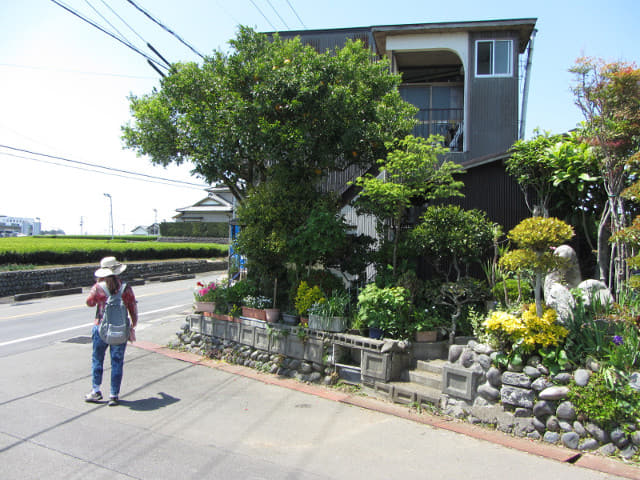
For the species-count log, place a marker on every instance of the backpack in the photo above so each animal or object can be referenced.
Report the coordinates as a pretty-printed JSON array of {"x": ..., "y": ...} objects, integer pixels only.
[{"x": 114, "y": 327}]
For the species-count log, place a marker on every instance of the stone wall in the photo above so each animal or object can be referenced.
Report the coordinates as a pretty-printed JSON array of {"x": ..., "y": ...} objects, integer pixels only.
[
  {"x": 27, "y": 281},
  {"x": 526, "y": 401},
  {"x": 306, "y": 354}
]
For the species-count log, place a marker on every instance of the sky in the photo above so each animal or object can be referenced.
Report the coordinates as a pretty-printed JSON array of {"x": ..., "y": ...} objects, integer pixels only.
[{"x": 64, "y": 86}]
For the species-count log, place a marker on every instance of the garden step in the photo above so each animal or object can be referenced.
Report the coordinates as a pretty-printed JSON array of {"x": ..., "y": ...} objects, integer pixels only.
[
  {"x": 410, "y": 393},
  {"x": 433, "y": 366},
  {"x": 427, "y": 379}
]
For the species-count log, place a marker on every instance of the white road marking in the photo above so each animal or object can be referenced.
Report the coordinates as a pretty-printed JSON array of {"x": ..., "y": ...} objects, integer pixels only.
[{"x": 55, "y": 332}]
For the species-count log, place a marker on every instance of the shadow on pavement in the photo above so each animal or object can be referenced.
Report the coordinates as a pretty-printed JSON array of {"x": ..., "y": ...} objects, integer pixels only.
[{"x": 152, "y": 403}]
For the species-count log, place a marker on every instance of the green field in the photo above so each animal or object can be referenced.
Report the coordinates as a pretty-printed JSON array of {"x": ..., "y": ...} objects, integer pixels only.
[{"x": 73, "y": 250}]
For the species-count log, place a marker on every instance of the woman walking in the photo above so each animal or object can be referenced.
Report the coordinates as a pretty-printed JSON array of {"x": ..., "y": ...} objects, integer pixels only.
[{"x": 109, "y": 283}]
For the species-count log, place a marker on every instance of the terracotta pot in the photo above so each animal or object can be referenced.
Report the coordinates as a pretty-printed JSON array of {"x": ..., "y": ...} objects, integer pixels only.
[
  {"x": 202, "y": 307},
  {"x": 428, "y": 336},
  {"x": 272, "y": 314},
  {"x": 256, "y": 313}
]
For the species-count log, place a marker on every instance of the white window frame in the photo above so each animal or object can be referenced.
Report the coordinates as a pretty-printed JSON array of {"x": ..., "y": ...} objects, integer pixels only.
[{"x": 493, "y": 59}]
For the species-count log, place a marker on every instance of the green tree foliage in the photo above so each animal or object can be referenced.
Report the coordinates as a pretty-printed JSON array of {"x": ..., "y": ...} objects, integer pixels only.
[
  {"x": 270, "y": 104},
  {"x": 453, "y": 238},
  {"x": 608, "y": 94},
  {"x": 194, "y": 229},
  {"x": 558, "y": 170},
  {"x": 536, "y": 236},
  {"x": 410, "y": 175}
]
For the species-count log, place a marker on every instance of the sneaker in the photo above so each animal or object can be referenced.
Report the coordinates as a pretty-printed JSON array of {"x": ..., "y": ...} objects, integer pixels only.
[
  {"x": 113, "y": 401},
  {"x": 93, "y": 397}
]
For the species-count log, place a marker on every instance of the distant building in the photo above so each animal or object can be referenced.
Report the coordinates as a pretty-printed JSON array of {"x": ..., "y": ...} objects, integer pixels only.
[
  {"x": 13, "y": 226},
  {"x": 217, "y": 207}
]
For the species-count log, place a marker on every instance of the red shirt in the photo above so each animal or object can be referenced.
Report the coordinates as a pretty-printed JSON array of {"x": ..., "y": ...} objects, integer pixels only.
[{"x": 99, "y": 297}]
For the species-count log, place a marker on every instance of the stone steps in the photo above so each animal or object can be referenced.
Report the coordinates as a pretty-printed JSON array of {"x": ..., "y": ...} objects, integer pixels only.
[{"x": 421, "y": 386}]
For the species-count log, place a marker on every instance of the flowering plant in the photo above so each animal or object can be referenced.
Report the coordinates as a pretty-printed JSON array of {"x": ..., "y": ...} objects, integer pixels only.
[
  {"x": 205, "y": 293},
  {"x": 256, "y": 302},
  {"x": 525, "y": 332}
]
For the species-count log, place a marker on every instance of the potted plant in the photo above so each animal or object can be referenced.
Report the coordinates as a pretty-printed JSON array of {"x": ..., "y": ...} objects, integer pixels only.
[
  {"x": 254, "y": 306},
  {"x": 384, "y": 310},
  {"x": 306, "y": 296},
  {"x": 426, "y": 326},
  {"x": 204, "y": 297},
  {"x": 330, "y": 315},
  {"x": 290, "y": 317}
]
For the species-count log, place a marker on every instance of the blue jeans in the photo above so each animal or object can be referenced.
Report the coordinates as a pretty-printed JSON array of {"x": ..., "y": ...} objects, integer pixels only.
[{"x": 97, "y": 360}]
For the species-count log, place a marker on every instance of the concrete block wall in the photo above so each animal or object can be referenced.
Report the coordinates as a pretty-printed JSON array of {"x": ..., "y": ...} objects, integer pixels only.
[{"x": 27, "y": 281}]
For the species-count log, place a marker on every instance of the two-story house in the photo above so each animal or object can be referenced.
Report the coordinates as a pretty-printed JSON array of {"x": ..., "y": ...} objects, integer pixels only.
[{"x": 467, "y": 81}]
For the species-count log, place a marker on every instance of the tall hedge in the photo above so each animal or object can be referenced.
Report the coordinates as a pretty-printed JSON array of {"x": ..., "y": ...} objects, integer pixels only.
[{"x": 194, "y": 229}]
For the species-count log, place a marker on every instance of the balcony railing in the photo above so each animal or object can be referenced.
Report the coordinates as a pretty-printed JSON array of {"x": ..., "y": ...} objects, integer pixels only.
[{"x": 447, "y": 122}]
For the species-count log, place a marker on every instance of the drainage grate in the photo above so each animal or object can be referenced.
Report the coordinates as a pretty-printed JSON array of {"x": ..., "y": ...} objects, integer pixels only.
[{"x": 81, "y": 340}]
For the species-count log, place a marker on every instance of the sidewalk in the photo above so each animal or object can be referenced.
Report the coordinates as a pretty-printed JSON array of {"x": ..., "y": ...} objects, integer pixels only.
[
  {"x": 594, "y": 462},
  {"x": 183, "y": 416}
]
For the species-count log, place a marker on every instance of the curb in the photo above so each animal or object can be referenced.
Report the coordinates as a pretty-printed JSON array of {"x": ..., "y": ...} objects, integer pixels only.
[{"x": 553, "y": 452}]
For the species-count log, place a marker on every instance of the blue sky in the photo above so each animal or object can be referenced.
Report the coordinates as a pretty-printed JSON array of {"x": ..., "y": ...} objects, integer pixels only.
[{"x": 64, "y": 84}]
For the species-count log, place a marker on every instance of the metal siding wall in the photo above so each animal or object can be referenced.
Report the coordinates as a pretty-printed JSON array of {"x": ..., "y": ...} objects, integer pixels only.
[
  {"x": 489, "y": 188},
  {"x": 494, "y": 104}
]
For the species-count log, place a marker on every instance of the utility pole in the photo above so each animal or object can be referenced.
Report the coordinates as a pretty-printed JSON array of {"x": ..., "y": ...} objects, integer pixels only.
[
  {"x": 156, "y": 227},
  {"x": 81, "y": 224},
  {"x": 110, "y": 213}
]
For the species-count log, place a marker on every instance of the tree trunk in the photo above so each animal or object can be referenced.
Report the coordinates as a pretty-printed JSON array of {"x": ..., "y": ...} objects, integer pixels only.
[{"x": 603, "y": 243}]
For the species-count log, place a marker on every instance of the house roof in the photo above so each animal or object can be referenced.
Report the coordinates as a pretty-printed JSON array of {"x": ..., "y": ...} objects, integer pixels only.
[
  {"x": 525, "y": 26},
  {"x": 478, "y": 161}
]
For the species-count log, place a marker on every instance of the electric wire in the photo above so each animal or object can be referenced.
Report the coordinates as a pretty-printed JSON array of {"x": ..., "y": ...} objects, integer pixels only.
[
  {"x": 263, "y": 15},
  {"x": 107, "y": 21},
  {"x": 296, "y": 14},
  {"x": 105, "y": 173},
  {"x": 93, "y": 24},
  {"x": 55, "y": 157},
  {"x": 164, "y": 27},
  {"x": 80, "y": 72},
  {"x": 276, "y": 12},
  {"x": 123, "y": 21}
]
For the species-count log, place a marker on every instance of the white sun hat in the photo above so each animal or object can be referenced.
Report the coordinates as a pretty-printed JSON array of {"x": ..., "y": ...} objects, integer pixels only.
[{"x": 110, "y": 266}]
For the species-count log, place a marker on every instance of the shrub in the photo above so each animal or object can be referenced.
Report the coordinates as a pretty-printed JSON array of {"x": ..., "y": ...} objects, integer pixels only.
[
  {"x": 525, "y": 332},
  {"x": 524, "y": 291},
  {"x": 606, "y": 400},
  {"x": 306, "y": 297},
  {"x": 386, "y": 308}
]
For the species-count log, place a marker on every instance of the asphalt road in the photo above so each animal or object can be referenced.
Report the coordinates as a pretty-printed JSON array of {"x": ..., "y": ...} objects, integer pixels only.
[
  {"x": 193, "y": 421},
  {"x": 40, "y": 322}
]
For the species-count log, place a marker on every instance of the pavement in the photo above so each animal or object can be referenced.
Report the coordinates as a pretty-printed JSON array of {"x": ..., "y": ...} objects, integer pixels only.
[{"x": 185, "y": 416}]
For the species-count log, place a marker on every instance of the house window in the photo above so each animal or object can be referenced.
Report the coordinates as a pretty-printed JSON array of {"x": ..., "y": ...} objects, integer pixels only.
[{"x": 494, "y": 58}]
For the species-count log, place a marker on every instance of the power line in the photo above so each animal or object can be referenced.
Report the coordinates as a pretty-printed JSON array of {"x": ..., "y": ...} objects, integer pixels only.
[
  {"x": 281, "y": 19},
  {"x": 93, "y": 165},
  {"x": 96, "y": 171},
  {"x": 296, "y": 14},
  {"x": 123, "y": 21},
  {"x": 95, "y": 25},
  {"x": 63, "y": 70},
  {"x": 164, "y": 27},
  {"x": 263, "y": 15},
  {"x": 108, "y": 22}
]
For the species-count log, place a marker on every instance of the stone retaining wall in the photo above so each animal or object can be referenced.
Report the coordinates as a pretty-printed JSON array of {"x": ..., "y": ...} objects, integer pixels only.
[
  {"x": 306, "y": 354},
  {"x": 27, "y": 281},
  {"x": 527, "y": 402}
]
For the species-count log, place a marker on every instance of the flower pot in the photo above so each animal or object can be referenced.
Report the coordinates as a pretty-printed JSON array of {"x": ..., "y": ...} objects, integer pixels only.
[
  {"x": 289, "y": 319},
  {"x": 327, "y": 324},
  {"x": 427, "y": 336},
  {"x": 375, "y": 332},
  {"x": 256, "y": 313},
  {"x": 272, "y": 315},
  {"x": 202, "y": 307}
]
